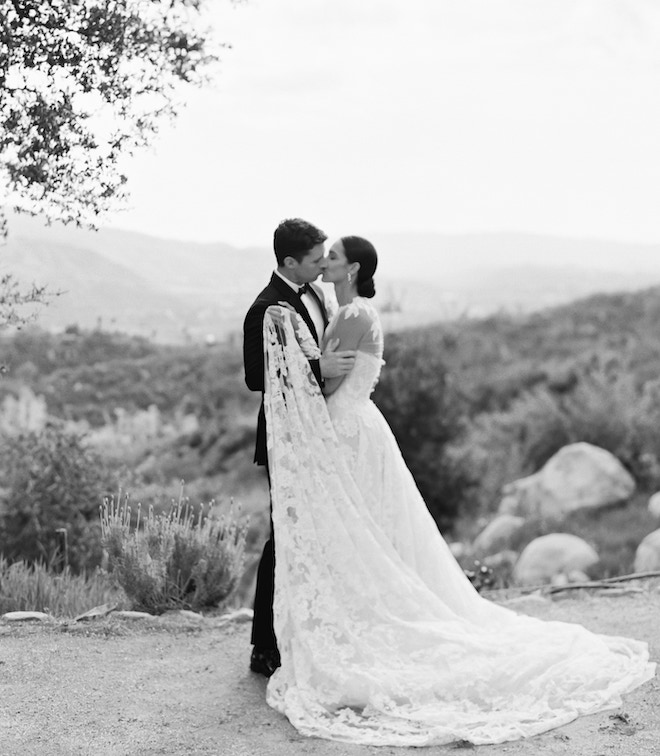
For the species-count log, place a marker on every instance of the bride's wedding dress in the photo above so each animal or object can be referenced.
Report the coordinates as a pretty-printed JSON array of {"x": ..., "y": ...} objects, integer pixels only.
[{"x": 383, "y": 639}]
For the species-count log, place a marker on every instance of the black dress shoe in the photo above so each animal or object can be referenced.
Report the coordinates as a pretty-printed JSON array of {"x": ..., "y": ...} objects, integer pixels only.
[{"x": 264, "y": 661}]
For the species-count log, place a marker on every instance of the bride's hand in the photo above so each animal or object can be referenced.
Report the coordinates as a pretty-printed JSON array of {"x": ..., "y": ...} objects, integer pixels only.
[
  {"x": 277, "y": 316},
  {"x": 334, "y": 364}
]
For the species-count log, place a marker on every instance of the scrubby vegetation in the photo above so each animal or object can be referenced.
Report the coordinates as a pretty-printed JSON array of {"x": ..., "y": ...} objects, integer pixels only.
[
  {"x": 474, "y": 404},
  {"x": 38, "y": 588},
  {"x": 51, "y": 489},
  {"x": 510, "y": 392}
]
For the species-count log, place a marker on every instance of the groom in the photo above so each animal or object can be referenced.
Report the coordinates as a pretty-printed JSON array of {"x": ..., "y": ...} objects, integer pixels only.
[{"x": 300, "y": 255}]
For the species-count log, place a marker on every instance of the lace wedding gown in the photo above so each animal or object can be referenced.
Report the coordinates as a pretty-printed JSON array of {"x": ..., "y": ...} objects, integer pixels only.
[{"x": 383, "y": 639}]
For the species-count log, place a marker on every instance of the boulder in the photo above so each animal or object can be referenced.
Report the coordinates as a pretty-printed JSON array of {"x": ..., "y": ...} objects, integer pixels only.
[
  {"x": 497, "y": 535},
  {"x": 547, "y": 557},
  {"x": 647, "y": 557},
  {"x": 26, "y": 617},
  {"x": 578, "y": 476},
  {"x": 457, "y": 549},
  {"x": 654, "y": 505}
]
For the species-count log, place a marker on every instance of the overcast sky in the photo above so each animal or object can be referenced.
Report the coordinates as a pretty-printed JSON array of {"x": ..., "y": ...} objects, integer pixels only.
[{"x": 416, "y": 115}]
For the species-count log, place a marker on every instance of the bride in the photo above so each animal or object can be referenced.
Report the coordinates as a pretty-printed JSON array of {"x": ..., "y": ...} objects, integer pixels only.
[{"x": 383, "y": 640}]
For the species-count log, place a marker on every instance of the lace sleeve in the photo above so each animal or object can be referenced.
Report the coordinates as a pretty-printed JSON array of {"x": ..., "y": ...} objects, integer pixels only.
[{"x": 357, "y": 326}]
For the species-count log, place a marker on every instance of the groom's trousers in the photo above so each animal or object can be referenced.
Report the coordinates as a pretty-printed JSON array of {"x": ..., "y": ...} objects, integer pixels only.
[{"x": 263, "y": 633}]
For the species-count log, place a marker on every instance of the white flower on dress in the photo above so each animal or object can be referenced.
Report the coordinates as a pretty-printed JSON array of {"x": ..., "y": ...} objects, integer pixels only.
[
  {"x": 352, "y": 309},
  {"x": 304, "y": 337}
]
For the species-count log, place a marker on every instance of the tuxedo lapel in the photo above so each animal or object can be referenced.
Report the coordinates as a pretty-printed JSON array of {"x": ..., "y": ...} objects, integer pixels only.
[{"x": 290, "y": 296}]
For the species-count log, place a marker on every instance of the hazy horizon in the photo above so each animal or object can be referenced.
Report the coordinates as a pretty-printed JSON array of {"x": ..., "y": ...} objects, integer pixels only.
[{"x": 498, "y": 249}]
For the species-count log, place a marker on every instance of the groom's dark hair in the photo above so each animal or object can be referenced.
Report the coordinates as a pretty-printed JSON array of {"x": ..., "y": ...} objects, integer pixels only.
[{"x": 294, "y": 237}]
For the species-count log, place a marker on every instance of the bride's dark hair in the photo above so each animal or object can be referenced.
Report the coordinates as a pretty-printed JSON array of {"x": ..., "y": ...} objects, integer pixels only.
[{"x": 361, "y": 251}]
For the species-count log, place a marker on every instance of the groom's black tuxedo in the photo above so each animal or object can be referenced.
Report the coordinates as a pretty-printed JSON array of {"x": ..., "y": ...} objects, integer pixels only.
[{"x": 263, "y": 635}]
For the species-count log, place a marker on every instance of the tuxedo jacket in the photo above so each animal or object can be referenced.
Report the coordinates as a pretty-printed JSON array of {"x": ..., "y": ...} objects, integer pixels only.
[{"x": 253, "y": 346}]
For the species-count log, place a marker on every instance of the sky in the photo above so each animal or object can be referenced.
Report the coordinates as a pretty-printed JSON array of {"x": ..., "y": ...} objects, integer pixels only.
[{"x": 447, "y": 116}]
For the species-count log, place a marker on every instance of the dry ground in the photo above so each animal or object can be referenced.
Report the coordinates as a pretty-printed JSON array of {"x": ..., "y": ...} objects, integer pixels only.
[{"x": 181, "y": 686}]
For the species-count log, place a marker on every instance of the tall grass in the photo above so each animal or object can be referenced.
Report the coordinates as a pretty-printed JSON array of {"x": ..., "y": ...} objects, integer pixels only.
[
  {"x": 34, "y": 587},
  {"x": 173, "y": 560}
]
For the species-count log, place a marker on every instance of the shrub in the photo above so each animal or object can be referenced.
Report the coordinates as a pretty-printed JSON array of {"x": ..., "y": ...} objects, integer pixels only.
[
  {"x": 51, "y": 489},
  {"x": 425, "y": 411},
  {"x": 174, "y": 561},
  {"x": 604, "y": 409},
  {"x": 505, "y": 445},
  {"x": 33, "y": 587}
]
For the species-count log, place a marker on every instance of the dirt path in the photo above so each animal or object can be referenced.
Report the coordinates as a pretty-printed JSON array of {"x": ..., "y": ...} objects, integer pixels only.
[{"x": 181, "y": 686}]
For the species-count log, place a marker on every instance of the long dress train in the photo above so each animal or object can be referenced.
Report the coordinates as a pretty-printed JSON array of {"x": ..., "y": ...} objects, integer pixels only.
[{"x": 383, "y": 639}]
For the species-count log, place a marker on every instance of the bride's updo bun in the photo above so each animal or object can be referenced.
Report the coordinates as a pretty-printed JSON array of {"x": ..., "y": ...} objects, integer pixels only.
[{"x": 359, "y": 250}]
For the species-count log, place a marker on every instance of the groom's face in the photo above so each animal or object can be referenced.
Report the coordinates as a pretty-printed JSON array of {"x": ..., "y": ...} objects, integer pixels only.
[{"x": 312, "y": 265}]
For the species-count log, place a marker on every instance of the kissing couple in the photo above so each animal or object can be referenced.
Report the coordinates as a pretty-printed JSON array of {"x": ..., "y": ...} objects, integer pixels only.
[{"x": 367, "y": 628}]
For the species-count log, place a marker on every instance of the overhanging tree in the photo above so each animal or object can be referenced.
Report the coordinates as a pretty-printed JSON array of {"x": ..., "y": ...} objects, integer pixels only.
[{"x": 83, "y": 83}]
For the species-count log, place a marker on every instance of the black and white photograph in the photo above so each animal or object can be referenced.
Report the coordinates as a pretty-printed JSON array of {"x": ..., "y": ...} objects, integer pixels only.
[{"x": 329, "y": 377}]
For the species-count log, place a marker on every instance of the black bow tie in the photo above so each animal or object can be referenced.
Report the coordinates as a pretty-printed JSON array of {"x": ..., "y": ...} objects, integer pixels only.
[{"x": 304, "y": 289}]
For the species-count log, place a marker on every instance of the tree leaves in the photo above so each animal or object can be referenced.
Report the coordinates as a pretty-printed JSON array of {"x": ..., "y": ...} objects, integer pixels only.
[{"x": 83, "y": 83}]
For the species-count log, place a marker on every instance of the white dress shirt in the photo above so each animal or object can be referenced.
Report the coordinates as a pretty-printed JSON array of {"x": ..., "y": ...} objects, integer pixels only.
[{"x": 311, "y": 305}]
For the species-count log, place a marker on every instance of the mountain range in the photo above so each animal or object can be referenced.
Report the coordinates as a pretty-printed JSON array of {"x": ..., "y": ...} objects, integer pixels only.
[{"x": 173, "y": 291}]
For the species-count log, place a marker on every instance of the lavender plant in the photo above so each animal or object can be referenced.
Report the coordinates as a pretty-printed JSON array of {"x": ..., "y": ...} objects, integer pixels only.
[{"x": 173, "y": 560}]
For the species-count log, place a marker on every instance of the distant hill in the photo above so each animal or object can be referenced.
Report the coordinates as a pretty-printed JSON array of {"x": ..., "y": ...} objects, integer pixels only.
[
  {"x": 175, "y": 291},
  {"x": 167, "y": 290},
  {"x": 94, "y": 291}
]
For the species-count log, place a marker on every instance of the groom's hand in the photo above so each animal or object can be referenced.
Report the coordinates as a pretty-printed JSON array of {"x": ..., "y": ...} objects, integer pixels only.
[{"x": 334, "y": 364}]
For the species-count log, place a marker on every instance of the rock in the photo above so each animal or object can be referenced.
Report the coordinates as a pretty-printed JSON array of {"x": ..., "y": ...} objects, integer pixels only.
[
  {"x": 654, "y": 505},
  {"x": 26, "y": 617},
  {"x": 457, "y": 549},
  {"x": 647, "y": 557},
  {"x": 560, "y": 579},
  {"x": 182, "y": 614},
  {"x": 497, "y": 535},
  {"x": 239, "y": 615},
  {"x": 96, "y": 613},
  {"x": 566, "y": 578},
  {"x": 578, "y": 476},
  {"x": 134, "y": 615},
  {"x": 503, "y": 560},
  {"x": 578, "y": 576},
  {"x": 551, "y": 555}
]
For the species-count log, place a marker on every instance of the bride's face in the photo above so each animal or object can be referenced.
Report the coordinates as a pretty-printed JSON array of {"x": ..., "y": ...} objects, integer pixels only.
[{"x": 336, "y": 268}]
